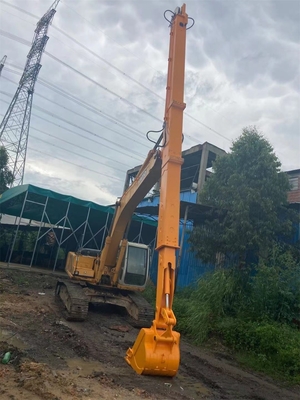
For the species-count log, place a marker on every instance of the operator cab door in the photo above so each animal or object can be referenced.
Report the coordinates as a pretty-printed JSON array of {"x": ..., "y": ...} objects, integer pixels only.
[{"x": 136, "y": 265}]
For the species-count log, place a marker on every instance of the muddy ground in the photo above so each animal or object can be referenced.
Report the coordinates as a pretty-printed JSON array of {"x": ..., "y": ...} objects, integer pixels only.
[{"x": 53, "y": 359}]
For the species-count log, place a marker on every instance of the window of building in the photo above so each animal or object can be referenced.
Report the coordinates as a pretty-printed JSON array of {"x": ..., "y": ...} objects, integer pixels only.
[{"x": 294, "y": 183}]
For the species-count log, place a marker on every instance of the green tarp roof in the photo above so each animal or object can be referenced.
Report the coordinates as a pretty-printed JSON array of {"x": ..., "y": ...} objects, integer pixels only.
[{"x": 11, "y": 203}]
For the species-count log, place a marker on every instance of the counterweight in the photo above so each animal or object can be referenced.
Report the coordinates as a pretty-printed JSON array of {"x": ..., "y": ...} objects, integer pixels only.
[{"x": 14, "y": 128}]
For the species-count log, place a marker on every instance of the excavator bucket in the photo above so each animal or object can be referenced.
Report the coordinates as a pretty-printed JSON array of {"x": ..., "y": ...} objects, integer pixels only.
[{"x": 155, "y": 354}]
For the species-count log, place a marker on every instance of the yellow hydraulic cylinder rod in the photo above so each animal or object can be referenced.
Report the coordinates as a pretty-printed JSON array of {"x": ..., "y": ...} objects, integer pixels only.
[{"x": 156, "y": 349}]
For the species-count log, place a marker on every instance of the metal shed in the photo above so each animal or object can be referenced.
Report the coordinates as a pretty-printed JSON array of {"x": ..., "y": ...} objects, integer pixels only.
[{"x": 65, "y": 220}]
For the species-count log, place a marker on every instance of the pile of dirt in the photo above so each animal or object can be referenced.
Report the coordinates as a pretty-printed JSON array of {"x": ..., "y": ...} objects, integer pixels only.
[{"x": 39, "y": 379}]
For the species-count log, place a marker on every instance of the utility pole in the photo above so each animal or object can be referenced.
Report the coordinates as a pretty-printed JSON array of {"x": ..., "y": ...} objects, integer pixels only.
[
  {"x": 2, "y": 62},
  {"x": 14, "y": 128}
]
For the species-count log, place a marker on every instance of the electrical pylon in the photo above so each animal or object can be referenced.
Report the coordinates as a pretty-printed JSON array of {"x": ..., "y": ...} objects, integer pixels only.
[
  {"x": 2, "y": 62},
  {"x": 14, "y": 128}
]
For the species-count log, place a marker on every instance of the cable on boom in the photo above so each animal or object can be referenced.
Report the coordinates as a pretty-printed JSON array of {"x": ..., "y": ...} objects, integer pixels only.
[
  {"x": 172, "y": 12},
  {"x": 157, "y": 142},
  {"x": 193, "y": 23}
]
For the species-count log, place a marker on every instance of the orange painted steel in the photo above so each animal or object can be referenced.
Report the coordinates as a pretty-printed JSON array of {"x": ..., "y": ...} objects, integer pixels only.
[{"x": 156, "y": 349}]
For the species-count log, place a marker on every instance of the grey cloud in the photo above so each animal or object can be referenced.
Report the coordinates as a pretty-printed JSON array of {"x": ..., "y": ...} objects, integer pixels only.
[
  {"x": 286, "y": 16},
  {"x": 238, "y": 39},
  {"x": 241, "y": 69}
]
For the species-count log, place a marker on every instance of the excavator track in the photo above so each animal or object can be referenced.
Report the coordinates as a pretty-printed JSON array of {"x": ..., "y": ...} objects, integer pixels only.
[
  {"x": 140, "y": 313},
  {"x": 74, "y": 299},
  {"x": 145, "y": 311}
]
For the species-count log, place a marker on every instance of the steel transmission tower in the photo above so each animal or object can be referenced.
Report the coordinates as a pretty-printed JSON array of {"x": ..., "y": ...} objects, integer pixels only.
[
  {"x": 2, "y": 62},
  {"x": 14, "y": 127}
]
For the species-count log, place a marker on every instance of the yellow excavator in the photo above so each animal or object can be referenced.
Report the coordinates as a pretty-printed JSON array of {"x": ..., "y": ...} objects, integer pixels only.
[{"x": 118, "y": 273}]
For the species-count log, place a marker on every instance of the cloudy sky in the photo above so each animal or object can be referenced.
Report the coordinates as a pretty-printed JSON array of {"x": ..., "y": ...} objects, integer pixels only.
[{"x": 102, "y": 83}]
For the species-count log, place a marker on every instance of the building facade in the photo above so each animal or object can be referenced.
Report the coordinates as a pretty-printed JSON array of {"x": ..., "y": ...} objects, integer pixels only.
[
  {"x": 294, "y": 193},
  {"x": 194, "y": 172}
]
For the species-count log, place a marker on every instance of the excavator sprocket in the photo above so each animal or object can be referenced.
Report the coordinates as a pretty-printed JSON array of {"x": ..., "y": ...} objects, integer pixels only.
[
  {"x": 145, "y": 311},
  {"x": 74, "y": 299}
]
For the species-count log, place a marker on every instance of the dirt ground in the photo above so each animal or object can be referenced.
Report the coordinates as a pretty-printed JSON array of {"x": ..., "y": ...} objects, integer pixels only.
[{"x": 53, "y": 359}]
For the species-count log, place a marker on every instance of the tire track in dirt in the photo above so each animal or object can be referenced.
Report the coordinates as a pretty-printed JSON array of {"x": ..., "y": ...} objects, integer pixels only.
[{"x": 229, "y": 382}]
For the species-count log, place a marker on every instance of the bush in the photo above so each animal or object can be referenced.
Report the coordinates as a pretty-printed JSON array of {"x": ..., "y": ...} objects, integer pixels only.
[
  {"x": 275, "y": 294},
  {"x": 270, "y": 347},
  {"x": 216, "y": 295},
  {"x": 253, "y": 311}
]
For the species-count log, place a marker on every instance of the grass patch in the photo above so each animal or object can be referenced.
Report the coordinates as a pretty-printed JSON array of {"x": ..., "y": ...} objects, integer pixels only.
[
  {"x": 268, "y": 347},
  {"x": 150, "y": 292}
]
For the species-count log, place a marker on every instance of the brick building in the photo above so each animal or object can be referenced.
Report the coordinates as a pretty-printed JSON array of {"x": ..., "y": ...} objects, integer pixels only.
[{"x": 294, "y": 179}]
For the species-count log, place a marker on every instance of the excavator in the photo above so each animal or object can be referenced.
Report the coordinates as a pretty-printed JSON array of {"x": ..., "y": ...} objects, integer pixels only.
[{"x": 118, "y": 274}]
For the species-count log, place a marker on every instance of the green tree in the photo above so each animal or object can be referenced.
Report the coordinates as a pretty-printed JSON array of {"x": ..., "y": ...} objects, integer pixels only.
[
  {"x": 250, "y": 195},
  {"x": 6, "y": 176}
]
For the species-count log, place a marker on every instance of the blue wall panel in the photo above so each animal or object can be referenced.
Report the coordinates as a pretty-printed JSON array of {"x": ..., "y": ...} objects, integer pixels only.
[
  {"x": 191, "y": 268},
  {"x": 184, "y": 196}
]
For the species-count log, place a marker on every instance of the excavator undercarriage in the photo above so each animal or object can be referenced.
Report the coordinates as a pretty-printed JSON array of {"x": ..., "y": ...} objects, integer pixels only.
[{"x": 77, "y": 296}]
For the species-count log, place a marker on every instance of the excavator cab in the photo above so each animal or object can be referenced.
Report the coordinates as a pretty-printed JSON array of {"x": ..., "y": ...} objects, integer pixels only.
[{"x": 135, "y": 267}]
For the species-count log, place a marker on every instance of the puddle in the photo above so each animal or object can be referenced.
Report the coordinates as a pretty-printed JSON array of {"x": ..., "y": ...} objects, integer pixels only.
[
  {"x": 12, "y": 339},
  {"x": 85, "y": 368}
]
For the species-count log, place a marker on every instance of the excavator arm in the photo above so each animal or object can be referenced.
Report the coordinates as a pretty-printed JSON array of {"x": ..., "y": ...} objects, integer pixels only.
[
  {"x": 111, "y": 257},
  {"x": 156, "y": 349}
]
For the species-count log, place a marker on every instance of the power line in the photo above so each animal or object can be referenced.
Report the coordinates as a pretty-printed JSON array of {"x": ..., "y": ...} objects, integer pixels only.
[
  {"x": 119, "y": 70},
  {"x": 20, "y": 40},
  {"x": 76, "y": 145},
  {"x": 101, "y": 86},
  {"x": 20, "y": 9},
  {"x": 76, "y": 100},
  {"x": 107, "y": 62},
  {"x": 211, "y": 129},
  {"x": 83, "y": 103},
  {"x": 78, "y": 134},
  {"x": 36, "y": 17},
  {"x": 118, "y": 44},
  {"x": 84, "y": 137},
  {"x": 83, "y": 129},
  {"x": 26, "y": 42},
  {"x": 76, "y": 154},
  {"x": 89, "y": 119},
  {"x": 76, "y": 165},
  {"x": 74, "y": 125}
]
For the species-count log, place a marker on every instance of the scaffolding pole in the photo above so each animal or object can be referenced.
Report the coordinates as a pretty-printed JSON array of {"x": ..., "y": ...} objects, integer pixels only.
[
  {"x": 15, "y": 238},
  {"x": 105, "y": 230},
  {"x": 42, "y": 219},
  {"x": 61, "y": 236},
  {"x": 84, "y": 229}
]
